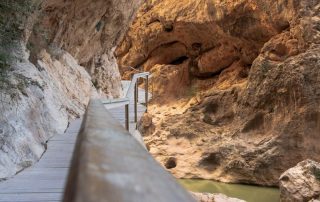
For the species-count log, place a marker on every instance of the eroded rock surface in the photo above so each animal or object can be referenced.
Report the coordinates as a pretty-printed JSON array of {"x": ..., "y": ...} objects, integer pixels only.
[
  {"x": 301, "y": 183},
  {"x": 45, "y": 84},
  {"x": 235, "y": 85},
  {"x": 89, "y": 31},
  {"x": 46, "y": 97},
  {"x": 210, "y": 35}
]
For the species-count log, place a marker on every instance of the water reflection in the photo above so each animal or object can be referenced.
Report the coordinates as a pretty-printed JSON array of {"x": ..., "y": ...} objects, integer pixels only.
[{"x": 245, "y": 192}]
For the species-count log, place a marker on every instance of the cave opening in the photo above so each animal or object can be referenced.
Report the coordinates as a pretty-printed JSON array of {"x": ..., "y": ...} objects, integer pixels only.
[
  {"x": 210, "y": 161},
  {"x": 196, "y": 46},
  {"x": 168, "y": 28},
  {"x": 171, "y": 163},
  {"x": 179, "y": 60}
]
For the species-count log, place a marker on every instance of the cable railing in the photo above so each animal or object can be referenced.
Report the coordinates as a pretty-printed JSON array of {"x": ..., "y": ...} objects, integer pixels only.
[
  {"x": 132, "y": 91},
  {"x": 136, "y": 70}
]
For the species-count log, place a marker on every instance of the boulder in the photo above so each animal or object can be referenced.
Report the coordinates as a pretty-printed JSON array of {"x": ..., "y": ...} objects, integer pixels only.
[
  {"x": 208, "y": 197},
  {"x": 145, "y": 125},
  {"x": 301, "y": 183}
]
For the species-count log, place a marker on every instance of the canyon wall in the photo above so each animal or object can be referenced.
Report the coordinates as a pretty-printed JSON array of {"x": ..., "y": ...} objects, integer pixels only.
[
  {"x": 54, "y": 56},
  {"x": 234, "y": 83}
]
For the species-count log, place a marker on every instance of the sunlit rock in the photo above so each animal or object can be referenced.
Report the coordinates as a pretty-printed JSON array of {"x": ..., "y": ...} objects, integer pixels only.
[
  {"x": 235, "y": 85},
  {"x": 207, "y": 197},
  {"x": 301, "y": 183}
]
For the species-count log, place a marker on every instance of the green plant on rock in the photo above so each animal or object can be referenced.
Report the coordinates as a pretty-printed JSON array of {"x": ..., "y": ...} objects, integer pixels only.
[
  {"x": 191, "y": 91},
  {"x": 265, "y": 66},
  {"x": 55, "y": 51},
  {"x": 4, "y": 61},
  {"x": 13, "y": 19},
  {"x": 14, "y": 15},
  {"x": 263, "y": 6},
  {"x": 316, "y": 172},
  {"x": 4, "y": 65}
]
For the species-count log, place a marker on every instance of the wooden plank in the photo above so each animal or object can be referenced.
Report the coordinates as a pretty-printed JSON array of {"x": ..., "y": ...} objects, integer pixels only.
[
  {"x": 45, "y": 180},
  {"x": 30, "y": 197}
]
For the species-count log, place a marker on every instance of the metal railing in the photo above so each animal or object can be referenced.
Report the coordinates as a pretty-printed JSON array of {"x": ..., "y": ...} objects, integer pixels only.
[{"x": 131, "y": 92}]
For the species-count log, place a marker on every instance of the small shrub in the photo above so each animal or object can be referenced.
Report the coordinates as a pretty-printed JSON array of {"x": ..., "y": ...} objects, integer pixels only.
[
  {"x": 316, "y": 172},
  {"x": 14, "y": 16},
  {"x": 4, "y": 61},
  {"x": 265, "y": 65},
  {"x": 191, "y": 91},
  {"x": 99, "y": 25},
  {"x": 13, "y": 19},
  {"x": 55, "y": 51},
  {"x": 4, "y": 65},
  {"x": 95, "y": 83},
  {"x": 263, "y": 6}
]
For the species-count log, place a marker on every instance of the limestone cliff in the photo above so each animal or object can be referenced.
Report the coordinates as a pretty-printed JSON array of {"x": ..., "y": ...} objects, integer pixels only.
[
  {"x": 46, "y": 48},
  {"x": 235, "y": 85}
]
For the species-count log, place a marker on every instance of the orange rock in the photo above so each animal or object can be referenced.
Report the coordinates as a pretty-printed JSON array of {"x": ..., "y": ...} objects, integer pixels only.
[{"x": 242, "y": 104}]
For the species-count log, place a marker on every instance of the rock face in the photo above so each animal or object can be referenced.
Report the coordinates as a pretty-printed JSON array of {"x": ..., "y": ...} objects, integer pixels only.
[
  {"x": 39, "y": 108},
  {"x": 235, "y": 85},
  {"x": 301, "y": 183},
  {"x": 210, "y": 35},
  {"x": 207, "y": 197},
  {"x": 89, "y": 31},
  {"x": 43, "y": 86}
]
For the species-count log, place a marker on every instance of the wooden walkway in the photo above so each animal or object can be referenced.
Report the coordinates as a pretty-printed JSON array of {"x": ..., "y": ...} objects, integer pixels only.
[{"x": 45, "y": 181}]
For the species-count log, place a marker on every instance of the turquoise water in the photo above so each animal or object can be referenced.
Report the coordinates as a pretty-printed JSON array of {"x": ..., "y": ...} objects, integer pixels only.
[{"x": 245, "y": 192}]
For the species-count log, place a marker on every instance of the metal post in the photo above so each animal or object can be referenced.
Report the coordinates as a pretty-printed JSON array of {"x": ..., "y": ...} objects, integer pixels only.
[
  {"x": 136, "y": 103},
  {"x": 147, "y": 91},
  {"x": 138, "y": 89},
  {"x": 127, "y": 116}
]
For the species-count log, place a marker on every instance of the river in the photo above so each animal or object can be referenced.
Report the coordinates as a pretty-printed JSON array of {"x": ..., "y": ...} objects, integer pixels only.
[{"x": 246, "y": 192}]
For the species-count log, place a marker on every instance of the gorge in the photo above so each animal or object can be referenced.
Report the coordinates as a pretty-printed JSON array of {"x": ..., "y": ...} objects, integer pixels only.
[{"x": 234, "y": 84}]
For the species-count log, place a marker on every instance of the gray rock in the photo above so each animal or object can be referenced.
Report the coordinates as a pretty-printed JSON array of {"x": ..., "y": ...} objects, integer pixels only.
[
  {"x": 39, "y": 105},
  {"x": 208, "y": 197},
  {"x": 52, "y": 89},
  {"x": 301, "y": 183}
]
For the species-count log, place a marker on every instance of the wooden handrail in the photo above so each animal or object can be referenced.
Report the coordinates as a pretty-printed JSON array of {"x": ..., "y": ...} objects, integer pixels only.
[{"x": 108, "y": 164}]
